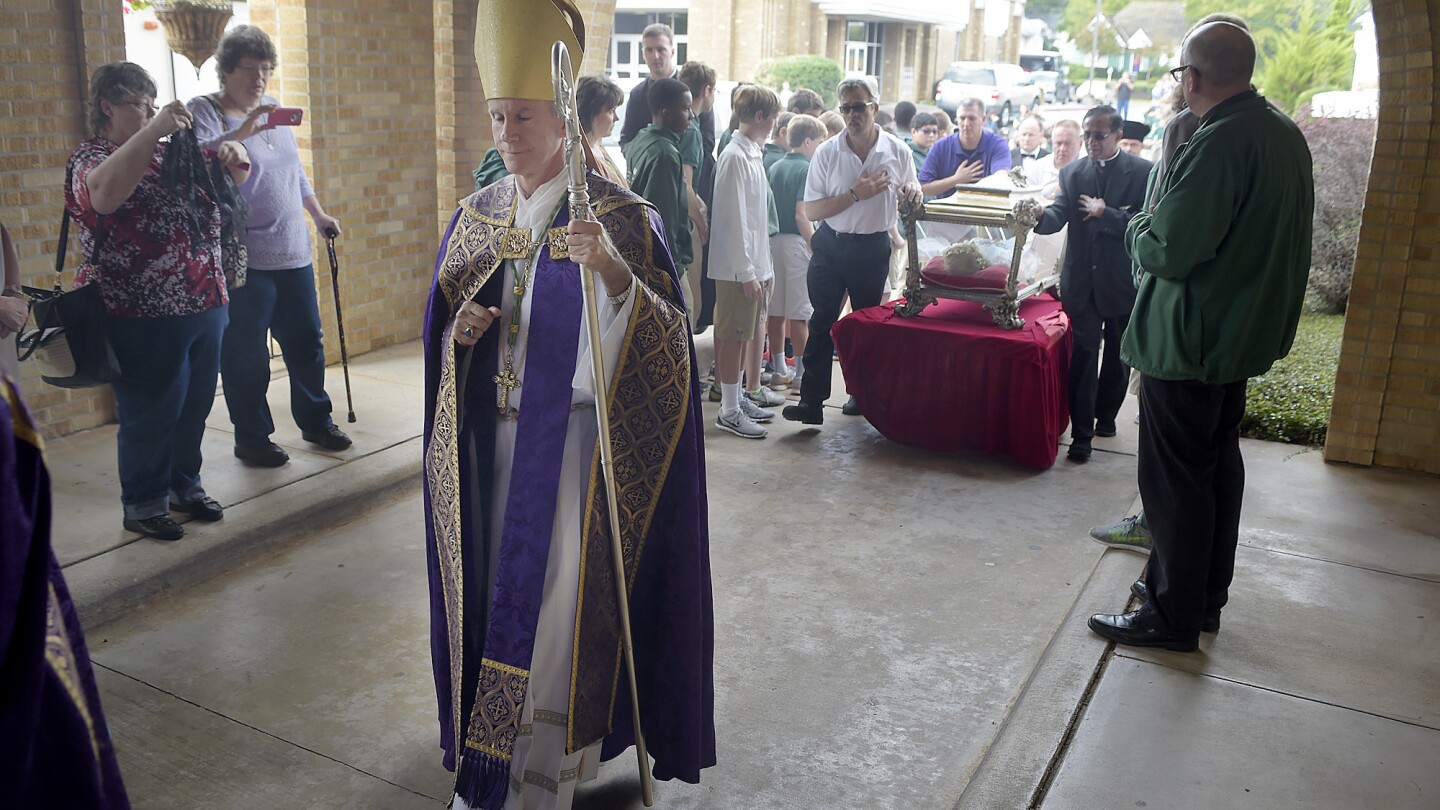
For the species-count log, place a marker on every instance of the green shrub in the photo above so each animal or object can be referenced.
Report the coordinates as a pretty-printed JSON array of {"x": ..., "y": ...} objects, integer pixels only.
[
  {"x": 1291, "y": 402},
  {"x": 806, "y": 70},
  {"x": 1341, "y": 149}
]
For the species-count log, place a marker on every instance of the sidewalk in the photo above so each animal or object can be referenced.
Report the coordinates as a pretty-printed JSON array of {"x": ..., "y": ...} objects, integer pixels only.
[{"x": 894, "y": 629}]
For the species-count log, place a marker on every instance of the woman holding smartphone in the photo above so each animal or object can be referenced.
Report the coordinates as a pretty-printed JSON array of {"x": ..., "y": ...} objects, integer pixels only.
[{"x": 280, "y": 293}]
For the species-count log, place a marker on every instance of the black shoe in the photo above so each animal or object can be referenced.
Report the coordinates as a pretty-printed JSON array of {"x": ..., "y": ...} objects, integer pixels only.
[
  {"x": 851, "y": 408},
  {"x": 331, "y": 438},
  {"x": 804, "y": 413},
  {"x": 1105, "y": 428},
  {"x": 1138, "y": 629},
  {"x": 1211, "y": 623},
  {"x": 268, "y": 454},
  {"x": 160, "y": 527},
  {"x": 1079, "y": 451},
  {"x": 206, "y": 508}
]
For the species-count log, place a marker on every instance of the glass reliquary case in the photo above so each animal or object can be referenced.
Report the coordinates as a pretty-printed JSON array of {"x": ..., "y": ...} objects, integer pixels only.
[{"x": 973, "y": 246}]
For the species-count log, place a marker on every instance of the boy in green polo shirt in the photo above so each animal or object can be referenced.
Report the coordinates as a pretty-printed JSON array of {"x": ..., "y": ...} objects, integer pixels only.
[
  {"x": 656, "y": 172},
  {"x": 790, "y": 308}
]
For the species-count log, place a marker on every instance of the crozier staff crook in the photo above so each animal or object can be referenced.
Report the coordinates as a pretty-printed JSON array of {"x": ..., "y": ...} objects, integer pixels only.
[{"x": 564, "y": 78}]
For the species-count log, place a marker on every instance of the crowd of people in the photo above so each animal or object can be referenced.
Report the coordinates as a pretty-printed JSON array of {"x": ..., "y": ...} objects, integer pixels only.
[{"x": 1190, "y": 271}]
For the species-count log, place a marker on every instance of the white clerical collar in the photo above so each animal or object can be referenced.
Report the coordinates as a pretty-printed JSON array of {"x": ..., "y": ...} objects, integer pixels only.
[
  {"x": 534, "y": 212},
  {"x": 1105, "y": 162}
]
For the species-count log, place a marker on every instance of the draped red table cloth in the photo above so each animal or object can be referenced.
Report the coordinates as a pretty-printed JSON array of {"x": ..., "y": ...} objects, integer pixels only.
[{"x": 949, "y": 379}]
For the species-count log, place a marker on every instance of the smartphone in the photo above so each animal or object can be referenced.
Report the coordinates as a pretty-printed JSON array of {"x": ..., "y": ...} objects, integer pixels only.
[{"x": 286, "y": 117}]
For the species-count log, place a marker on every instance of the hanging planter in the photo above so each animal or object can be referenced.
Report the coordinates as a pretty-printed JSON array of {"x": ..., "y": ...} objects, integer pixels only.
[{"x": 194, "y": 27}]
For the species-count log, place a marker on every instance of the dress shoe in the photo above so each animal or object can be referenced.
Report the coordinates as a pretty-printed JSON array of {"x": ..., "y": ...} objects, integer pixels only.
[
  {"x": 206, "y": 508},
  {"x": 851, "y": 408},
  {"x": 1210, "y": 624},
  {"x": 1139, "y": 629},
  {"x": 1105, "y": 428},
  {"x": 160, "y": 527},
  {"x": 1079, "y": 451},
  {"x": 268, "y": 454},
  {"x": 804, "y": 413},
  {"x": 331, "y": 438}
]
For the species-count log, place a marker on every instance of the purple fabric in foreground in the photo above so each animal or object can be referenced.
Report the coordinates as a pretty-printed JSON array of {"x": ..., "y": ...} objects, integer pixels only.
[{"x": 55, "y": 748}]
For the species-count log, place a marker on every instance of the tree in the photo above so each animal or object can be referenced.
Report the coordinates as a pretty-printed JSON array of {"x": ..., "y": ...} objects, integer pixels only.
[
  {"x": 806, "y": 70},
  {"x": 1315, "y": 55},
  {"x": 1079, "y": 13}
]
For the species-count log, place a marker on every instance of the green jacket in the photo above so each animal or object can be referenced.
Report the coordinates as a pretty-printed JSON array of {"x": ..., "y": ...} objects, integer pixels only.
[
  {"x": 656, "y": 173},
  {"x": 1226, "y": 251}
]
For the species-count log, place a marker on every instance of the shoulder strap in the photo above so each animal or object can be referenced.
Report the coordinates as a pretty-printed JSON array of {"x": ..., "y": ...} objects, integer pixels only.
[{"x": 100, "y": 236}]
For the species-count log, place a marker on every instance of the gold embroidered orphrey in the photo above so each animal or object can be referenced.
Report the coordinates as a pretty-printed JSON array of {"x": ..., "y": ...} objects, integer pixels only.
[
  {"x": 507, "y": 380},
  {"x": 648, "y": 401}
]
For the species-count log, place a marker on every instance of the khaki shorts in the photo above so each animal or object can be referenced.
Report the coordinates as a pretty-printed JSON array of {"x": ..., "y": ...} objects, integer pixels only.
[
  {"x": 791, "y": 259},
  {"x": 737, "y": 317}
]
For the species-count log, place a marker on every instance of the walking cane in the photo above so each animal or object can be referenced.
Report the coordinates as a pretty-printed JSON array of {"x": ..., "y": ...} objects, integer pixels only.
[
  {"x": 563, "y": 76},
  {"x": 330, "y": 234}
]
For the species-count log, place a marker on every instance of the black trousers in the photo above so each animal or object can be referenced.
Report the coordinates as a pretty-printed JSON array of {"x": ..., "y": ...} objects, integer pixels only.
[
  {"x": 1097, "y": 385},
  {"x": 839, "y": 263},
  {"x": 1192, "y": 481}
]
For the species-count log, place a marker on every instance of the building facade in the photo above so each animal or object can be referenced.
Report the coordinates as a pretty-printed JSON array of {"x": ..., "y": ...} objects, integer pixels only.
[{"x": 905, "y": 46}]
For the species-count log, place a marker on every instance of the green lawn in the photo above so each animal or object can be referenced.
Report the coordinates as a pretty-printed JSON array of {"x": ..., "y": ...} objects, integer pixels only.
[{"x": 1291, "y": 402}]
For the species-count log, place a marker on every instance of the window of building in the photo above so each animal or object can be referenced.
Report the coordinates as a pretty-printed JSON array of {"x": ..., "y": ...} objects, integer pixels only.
[
  {"x": 626, "y": 59},
  {"x": 864, "y": 45}
]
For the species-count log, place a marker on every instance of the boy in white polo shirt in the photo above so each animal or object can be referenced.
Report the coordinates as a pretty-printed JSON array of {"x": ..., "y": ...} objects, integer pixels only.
[{"x": 740, "y": 264}]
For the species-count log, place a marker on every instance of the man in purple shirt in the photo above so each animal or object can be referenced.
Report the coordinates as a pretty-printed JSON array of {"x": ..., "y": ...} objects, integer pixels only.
[{"x": 970, "y": 154}]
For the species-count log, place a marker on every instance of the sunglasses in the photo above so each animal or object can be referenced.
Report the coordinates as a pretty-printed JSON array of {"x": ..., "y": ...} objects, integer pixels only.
[
  {"x": 1096, "y": 136},
  {"x": 857, "y": 107}
]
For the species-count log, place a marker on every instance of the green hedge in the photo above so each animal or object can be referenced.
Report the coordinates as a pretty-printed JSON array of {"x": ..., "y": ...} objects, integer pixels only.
[
  {"x": 807, "y": 70},
  {"x": 1291, "y": 402}
]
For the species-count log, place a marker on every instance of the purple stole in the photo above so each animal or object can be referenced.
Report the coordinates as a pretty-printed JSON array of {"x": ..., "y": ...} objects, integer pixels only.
[{"x": 554, "y": 335}]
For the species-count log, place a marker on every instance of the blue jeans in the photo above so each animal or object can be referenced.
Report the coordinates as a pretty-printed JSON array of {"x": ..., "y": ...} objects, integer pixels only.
[
  {"x": 166, "y": 387},
  {"x": 283, "y": 302}
]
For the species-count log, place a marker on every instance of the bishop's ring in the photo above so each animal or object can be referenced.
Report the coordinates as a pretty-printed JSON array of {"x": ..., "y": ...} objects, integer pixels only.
[{"x": 469, "y": 333}]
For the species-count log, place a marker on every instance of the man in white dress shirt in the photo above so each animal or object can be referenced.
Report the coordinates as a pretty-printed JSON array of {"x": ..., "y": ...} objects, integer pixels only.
[{"x": 856, "y": 181}]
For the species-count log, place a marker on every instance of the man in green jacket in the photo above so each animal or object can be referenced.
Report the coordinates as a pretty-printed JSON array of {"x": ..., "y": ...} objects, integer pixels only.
[
  {"x": 1224, "y": 255},
  {"x": 656, "y": 169}
]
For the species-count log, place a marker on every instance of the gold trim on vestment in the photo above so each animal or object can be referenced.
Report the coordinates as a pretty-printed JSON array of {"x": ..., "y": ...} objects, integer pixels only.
[
  {"x": 60, "y": 656},
  {"x": 20, "y": 423},
  {"x": 649, "y": 404}
]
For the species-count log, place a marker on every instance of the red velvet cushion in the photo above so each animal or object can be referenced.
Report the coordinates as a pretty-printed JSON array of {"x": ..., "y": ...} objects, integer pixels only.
[{"x": 991, "y": 278}]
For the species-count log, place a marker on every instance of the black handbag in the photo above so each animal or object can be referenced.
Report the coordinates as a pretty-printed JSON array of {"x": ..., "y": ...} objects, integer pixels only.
[{"x": 71, "y": 338}]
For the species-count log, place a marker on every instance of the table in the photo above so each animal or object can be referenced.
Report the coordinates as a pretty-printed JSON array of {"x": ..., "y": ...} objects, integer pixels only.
[{"x": 949, "y": 379}]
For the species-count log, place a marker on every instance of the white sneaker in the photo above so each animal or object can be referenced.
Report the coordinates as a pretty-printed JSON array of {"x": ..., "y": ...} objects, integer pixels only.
[
  {"x": 755, "y": 412},
  {"x": 781, "y": 380},
  {"x": 741, "y": 425},
  {"x": 764, "y": 397}
]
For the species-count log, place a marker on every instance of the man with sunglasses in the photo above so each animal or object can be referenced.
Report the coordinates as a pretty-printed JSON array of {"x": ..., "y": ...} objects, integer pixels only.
[
  {"x": 1098, "y": 196},
  {"x": 855, "y": 183}
]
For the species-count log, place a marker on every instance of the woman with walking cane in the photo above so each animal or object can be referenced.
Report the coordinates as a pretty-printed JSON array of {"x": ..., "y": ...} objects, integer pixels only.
[
  {"x": 531, "y": 692},
  {"x": 279, "y": 295}
]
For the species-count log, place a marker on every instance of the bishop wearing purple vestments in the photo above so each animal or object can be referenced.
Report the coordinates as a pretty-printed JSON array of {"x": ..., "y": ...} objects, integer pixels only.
[{"x": 525, "y": 639}]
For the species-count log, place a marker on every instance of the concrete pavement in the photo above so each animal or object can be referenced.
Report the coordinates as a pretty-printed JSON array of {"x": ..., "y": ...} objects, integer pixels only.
[{"x": 894, "y": 629}]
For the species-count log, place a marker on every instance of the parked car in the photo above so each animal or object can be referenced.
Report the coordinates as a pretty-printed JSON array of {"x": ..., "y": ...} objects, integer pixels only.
[
  {"x": 1052, "y": 86},
  {"x": 1005, "y": 89}
]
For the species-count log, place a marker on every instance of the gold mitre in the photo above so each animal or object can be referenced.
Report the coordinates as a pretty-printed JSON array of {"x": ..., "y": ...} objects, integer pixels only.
[{"x": 512, "y": 45}]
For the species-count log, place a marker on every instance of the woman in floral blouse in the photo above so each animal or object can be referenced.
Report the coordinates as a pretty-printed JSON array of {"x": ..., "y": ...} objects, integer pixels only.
[{"x": 163, "y": 288}]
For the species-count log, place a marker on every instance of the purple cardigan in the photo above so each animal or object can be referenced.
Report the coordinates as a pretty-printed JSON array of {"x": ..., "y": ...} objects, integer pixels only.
[{"x": 278, "y": 237}]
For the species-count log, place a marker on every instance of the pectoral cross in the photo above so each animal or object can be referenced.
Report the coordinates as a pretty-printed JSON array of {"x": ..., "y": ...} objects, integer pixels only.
[{"x": 507, "y": 381}]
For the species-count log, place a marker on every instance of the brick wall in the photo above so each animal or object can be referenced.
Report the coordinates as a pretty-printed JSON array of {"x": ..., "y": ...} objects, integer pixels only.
[
  {"x": 1387, "y": 390},
  {"x": 46, "y": 57}
]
